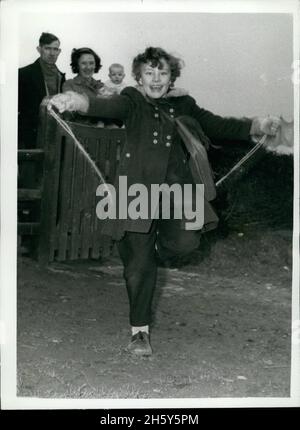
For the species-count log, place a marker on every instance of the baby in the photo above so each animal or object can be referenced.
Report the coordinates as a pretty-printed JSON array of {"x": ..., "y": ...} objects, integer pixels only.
[{"x": 115, "y": 84}]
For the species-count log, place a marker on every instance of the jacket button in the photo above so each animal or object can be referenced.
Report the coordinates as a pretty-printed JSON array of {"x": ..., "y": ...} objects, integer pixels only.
[
  {"x": 168, "y": 137},
  {"x": 156, "y": 108},
  {"x": 155, "y": 141},
  {"x": 156, "y": 115},
  {"x": 127, "y": 155},
  {"x": 168, "y": 144},
  {"x": 172, "y": 116},
  {"x": 171, "y": 110},
  {"x": 155, "y": 133}
]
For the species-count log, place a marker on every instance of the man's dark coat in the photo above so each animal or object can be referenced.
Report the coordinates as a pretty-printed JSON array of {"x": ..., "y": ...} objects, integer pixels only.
[{"x": 32, "y": 90}]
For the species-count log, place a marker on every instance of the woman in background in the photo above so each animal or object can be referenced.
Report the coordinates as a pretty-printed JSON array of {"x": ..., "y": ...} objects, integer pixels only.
[{"x": 85, "y": 62}]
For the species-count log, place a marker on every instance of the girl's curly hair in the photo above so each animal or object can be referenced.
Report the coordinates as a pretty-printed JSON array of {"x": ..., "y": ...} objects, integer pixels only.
[{"x": 154, "y": 56}]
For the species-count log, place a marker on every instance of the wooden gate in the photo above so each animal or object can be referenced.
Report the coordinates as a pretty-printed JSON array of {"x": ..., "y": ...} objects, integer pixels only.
[{"x": 69, "y": 227}]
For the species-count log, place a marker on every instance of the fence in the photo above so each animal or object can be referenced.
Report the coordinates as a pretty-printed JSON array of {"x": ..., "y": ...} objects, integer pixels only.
[{"x": 68, "y": 227}]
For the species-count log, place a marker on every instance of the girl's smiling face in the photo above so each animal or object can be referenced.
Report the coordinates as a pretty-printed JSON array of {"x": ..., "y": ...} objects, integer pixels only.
[{"x": 156, "y": 80}]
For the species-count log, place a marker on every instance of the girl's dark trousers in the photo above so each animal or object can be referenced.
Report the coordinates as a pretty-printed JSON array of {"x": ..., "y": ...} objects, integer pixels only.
[
  {"x": 166, "y": 237},
  {"x": 138, "y": 253}
]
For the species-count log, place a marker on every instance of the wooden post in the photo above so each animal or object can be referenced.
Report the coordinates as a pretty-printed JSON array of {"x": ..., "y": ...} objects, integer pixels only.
[{"x": 50, "y": 138}]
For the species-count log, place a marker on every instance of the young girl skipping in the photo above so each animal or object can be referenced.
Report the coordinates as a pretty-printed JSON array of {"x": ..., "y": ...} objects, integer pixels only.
[{"x": 155, "y": 154}]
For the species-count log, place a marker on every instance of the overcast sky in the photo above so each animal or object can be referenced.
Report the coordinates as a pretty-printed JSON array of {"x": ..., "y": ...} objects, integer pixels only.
[{"x": 235, "y": 64}]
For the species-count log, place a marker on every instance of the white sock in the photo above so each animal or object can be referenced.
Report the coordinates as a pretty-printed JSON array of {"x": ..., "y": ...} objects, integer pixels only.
[{"x": 135, "y": 330}]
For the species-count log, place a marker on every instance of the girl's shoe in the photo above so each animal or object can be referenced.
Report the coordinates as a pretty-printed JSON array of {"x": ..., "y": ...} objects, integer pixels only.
[{"x": 140, "y": 344}]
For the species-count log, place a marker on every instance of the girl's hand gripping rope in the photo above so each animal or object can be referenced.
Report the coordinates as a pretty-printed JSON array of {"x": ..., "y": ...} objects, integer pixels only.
[
  {"x": 268, "y": 125},
  {"x": 69, "y": 101}
]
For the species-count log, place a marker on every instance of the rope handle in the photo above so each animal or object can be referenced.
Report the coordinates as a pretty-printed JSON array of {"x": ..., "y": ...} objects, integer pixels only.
[{"x": 249, "y": 154}]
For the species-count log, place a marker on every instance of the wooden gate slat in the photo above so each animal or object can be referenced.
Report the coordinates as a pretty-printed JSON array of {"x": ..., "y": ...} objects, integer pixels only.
[
  {"x": 76, "y": 206},
  {"x": 95, "y": 246},
  {"x": 64, "y": 215},
  {"x": 92, "y": 182},
  {"x": 102, "y": 159},
  {"x": 83, "y": 199},
  {"x": 49, "y": 137}
]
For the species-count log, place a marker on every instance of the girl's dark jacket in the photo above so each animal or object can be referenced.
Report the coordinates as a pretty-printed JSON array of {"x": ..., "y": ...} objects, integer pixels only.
[{"x": 150, "y": 137}]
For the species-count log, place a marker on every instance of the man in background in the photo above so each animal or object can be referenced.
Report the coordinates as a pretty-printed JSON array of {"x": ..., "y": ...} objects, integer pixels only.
[{"x": 36, "y": 81}]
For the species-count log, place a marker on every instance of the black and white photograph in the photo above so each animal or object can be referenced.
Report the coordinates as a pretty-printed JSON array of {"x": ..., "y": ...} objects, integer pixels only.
[{"x": 149, "y": 204}]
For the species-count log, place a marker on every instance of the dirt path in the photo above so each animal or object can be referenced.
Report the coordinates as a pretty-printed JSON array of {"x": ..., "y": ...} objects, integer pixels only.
[{"x": 221, "y": 327}]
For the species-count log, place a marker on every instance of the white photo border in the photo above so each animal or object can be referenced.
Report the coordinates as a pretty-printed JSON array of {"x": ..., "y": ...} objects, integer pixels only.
[{"x": 10, "y": 13}]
